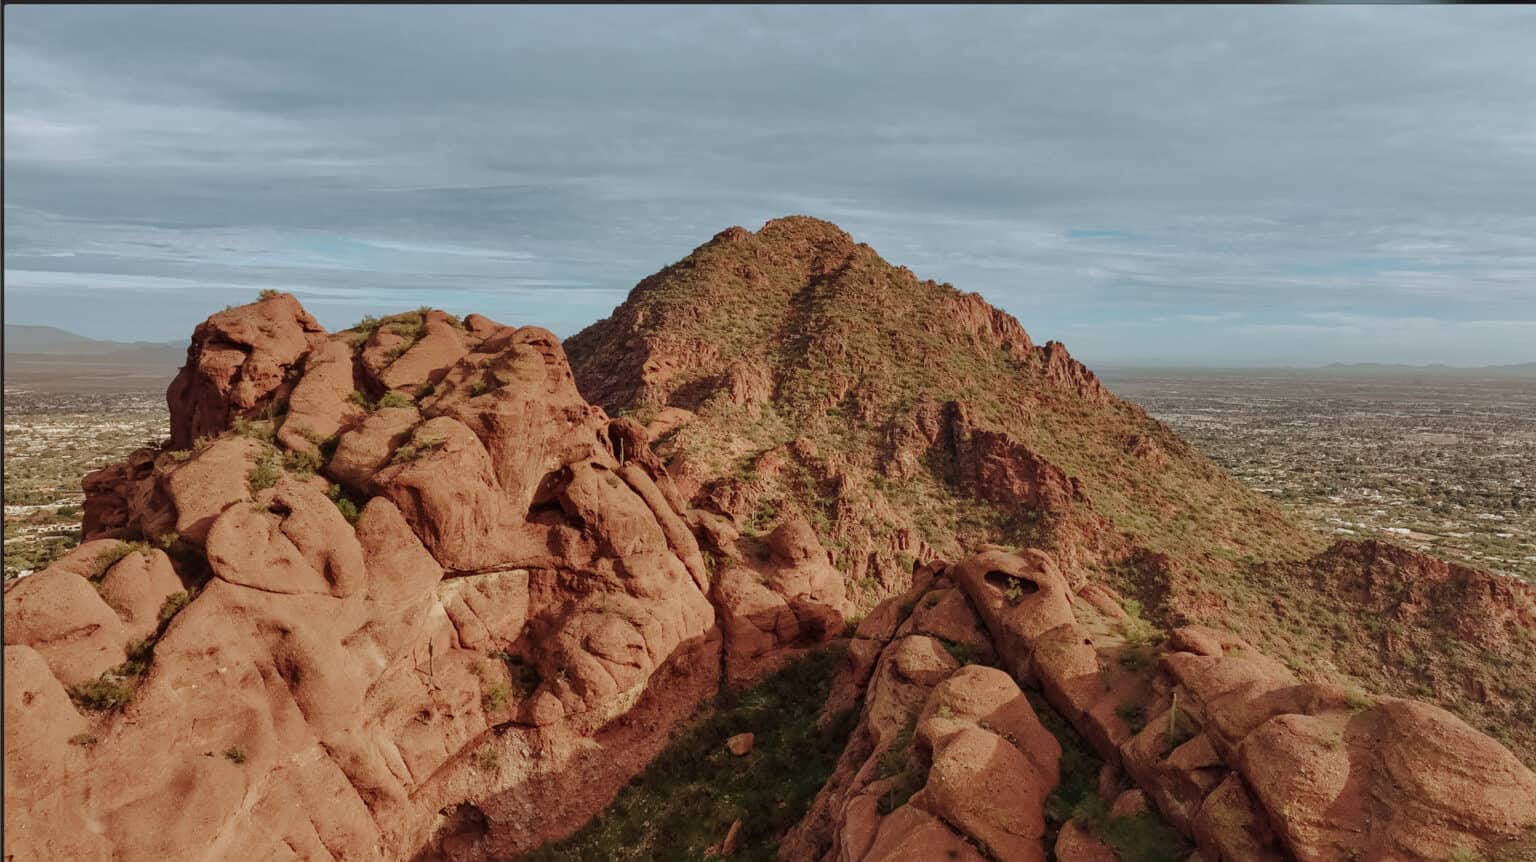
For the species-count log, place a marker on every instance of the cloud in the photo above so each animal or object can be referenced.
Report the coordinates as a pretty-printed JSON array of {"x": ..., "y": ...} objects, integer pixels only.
[{"x": 1190, "y": 179}]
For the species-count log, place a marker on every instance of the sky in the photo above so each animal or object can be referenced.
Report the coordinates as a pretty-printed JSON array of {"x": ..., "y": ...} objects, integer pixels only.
[{"x": 1151, "y": 185}]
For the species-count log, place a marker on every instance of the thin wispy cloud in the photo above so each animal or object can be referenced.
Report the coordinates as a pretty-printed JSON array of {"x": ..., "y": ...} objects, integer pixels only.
[{"x": 1171, "y": 184}]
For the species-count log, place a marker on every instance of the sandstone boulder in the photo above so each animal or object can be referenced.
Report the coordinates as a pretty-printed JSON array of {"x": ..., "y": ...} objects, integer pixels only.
[
  {"x": 61, "y": 616},
  {"x": 237, "y": 361}
]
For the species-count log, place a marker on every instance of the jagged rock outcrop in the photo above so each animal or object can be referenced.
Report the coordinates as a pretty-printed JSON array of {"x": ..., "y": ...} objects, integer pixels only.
[
  {"x": 776, "y": 601},
  {"x": 416, "y": 598},
  {"x": 946, "y": 758},
  {"x": 239, "y": 362},
  {"x": 1226, "y": 744}
]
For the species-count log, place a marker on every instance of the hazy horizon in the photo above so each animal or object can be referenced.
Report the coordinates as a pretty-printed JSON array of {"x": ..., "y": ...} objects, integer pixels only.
[{"x": 1266, "y": 186}]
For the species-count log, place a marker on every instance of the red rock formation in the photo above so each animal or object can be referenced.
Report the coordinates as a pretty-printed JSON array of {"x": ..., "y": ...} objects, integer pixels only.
[
  {"x": 945, "y": 757},
  {"x": 1222, "y": 741},
  {"x": 773, "y": 609},
  {"x": 995, "y": 326},
  {"x": 402, "y": 591},
  {"x": 237, "y": 362},
  {"x": 1071, "y": 375},
  {"x": 470, "y": 665}
]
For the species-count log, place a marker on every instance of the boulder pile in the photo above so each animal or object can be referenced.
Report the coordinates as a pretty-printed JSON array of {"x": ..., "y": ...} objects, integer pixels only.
[
  {"x": 388, "y": 591},
  {"x": 951, "y": 761}
]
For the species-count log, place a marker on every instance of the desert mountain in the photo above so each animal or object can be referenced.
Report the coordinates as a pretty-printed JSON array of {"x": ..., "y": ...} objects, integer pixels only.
[
  {"x": 54, "y": 359},
  {"x": 794, "y": 370},
  {"x": 27, "y": 338},
  {"x": 425, "y": 589}
]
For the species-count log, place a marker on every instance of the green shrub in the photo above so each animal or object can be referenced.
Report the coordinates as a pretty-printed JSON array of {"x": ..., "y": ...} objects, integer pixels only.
[
  {"x": 140, "y": 654},
  {"x": 394, "y": 399},
  {"x": 408, "y": 325},
  {"x": 525, "y": 677},
  {"x": 1137, "y": 632},
  {"x": 302, "y": 463},
  {"x": 111, "y": 556},
  {"x": 495, "y": 697},
  {"x": 1014, "y": 592},
  {"x": 265, "y": 474},
  {"x": 328, "y": 447},
  {"x": 357, "y": 397},
  {"x": 348, "y": 510},
  {"x": 897, "y": 762},
  {"x": 762, "y": 516},
  {"x": 235, "y": 754},
  {"x": 108, "y": 693},
  {"x": 258, "y": 430},
  {"x": 172, "y": 606},
  {"x": 420, "y": 445},
  {"x": 346, "y": 505},
  {"x": 1145, "y": 837},
  {"x": 1079, "y": 765}
]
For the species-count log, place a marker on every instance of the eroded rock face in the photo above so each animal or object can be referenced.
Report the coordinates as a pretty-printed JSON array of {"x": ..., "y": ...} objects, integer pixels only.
[
  {"x": 946, "y": 757},
  {"x": 403, "y": 593},
  {"x": 1227, "y": 745},
  {"x": 432, "y": 581},
  {"x": 775, "y": 608},
  {"x": 237, "y": 362}
]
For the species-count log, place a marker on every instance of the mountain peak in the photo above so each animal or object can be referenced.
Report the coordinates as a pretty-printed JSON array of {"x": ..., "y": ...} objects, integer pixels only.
[
  {"x": 800, "y": 226},
  {"x": 800, "y": 290},
  {"x": 797, "y": 345},
  {"x": 786, "y": 228}
]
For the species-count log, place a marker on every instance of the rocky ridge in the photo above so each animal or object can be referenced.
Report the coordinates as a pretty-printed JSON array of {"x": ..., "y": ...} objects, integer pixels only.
[
  {"x": 402, "y": 592},
  {"x": 793, "y": 371},
  {"x": 950, "y": 759},
  {"x": 391, "y": 589}
]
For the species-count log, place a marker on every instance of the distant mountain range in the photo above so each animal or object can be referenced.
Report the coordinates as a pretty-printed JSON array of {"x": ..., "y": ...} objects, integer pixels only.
[
  {"x": 1519, "y": 370},
  {"x": 26, "y": 338},
  {"x": 46, "y": 357}
]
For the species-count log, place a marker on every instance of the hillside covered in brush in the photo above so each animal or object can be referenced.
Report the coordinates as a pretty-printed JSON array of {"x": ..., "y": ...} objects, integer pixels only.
[{"x": 795, "y": 370}]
